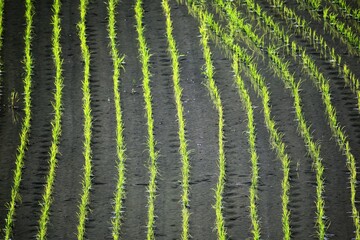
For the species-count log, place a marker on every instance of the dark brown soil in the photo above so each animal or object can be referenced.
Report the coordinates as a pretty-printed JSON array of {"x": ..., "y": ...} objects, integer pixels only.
[{"x": 201, "y": 125}]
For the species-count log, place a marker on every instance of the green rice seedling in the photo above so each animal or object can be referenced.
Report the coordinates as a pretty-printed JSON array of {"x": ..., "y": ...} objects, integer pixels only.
[
  {"x": 234, "y": 16},
  {"x": 350, "y": 78},
  {"x": 337, "y": 132},
  {"x": 117, "y": 63},
  {"x": 313, "y": 148},
  {"x": 153, "y": 154},
  {"x": 248, "y": 107},
  {"x": 215, "y": 96},
  {"x": 302, "y": 27},
  {"x": 227, "y": 41},
  {"x": 346, "y": 11},
  {"x": 26, "y": 125},
  {"x": 315, "y": 4},
  {"x": 56, "y": 123},
  {"x": 276, "y": 139},
  {"x": 345, "y": 31},
  {"x": 86, "y": 180},
  {"x": 352, "y": 82},
  {"x": 278, "y": 3},
  {"x": 183, "y": 149},
  {"x": 253, "y": 40},
  {"x": 335, "y": 24},
  {"x": 344, "y": 7},
  {"x": 323, "y": 86},
  {"x": 119, "y": 194}
]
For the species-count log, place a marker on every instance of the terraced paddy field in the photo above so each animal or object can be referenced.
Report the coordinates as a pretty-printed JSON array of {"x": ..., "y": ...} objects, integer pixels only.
[{"x": 138, "y": 119}]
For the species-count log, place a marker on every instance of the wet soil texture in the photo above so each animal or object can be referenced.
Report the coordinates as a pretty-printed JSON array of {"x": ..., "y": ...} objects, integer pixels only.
[{"x": 201, "y": 119}]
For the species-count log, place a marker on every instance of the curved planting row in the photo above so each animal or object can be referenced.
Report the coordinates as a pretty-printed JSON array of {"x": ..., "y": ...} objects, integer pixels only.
[
  {"x": 281, "y": 68},
  {"x": 347, "y": 10},
  {"x": 214, "y": 93},
  {"x": 215, "y": 96},
  {"x": 316, "y": 40},
  {"x": 312, "y": 147},
  {"x": 301, "y": 26},
  {"x": 183, "y": 149},
  {"x": 26, "y": 125},
  {"x": 231, "y": 14},
  {"x": 346, "y": 13},
  {"x": 55, "y": 123},
  {"x": 153, "y": 154},
  {"x": 119, "y": 194},
  {"x": 335, "y": 25},
  {"x": 245, "y": 98},
  {"x": 86, "y": 181},
  {"x": 323, "y": 86},
  {"x": 350, "y": 79},
  {"x": 260, "y": 87}
]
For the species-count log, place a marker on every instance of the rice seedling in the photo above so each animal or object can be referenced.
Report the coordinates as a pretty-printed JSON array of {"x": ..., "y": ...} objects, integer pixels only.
[
  {"x": 313, "y": 148},
  {"x": 26, "y": 124},
  {"x": 295, "y": 50},
  {"x": 353, "y": 82},
  {"x": 119, "y": 194},
  {"x": 233, "y": 15},
  {"x": 315, "y": 4},
  {"x": 308, "y": 34},
  {"x": 302, "y": 27},
  {"x": 86, "y": 180},
  {"x": 323, "y": 86},
  {"x": 56, "y": 123},
  {"x": 227, "y": 8},
  {"x": 346, "y": 11},
  {"x": 337, "y": 131},
  {"x": 183, "y": 149},
  {"x": 260, "y": 87},
  {"x": 227, "y": 42},
  {"x": 144, "y": 54},
  {"x": 215, "y": 96},
  {"x": 248, "y": 107},
  {"x": 336, "y": 26},
  {"x": 331, "y": 19}
]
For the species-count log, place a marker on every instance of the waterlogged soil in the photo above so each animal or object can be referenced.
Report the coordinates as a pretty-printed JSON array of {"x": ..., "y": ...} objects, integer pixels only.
[{"x": 201, "y": 126}]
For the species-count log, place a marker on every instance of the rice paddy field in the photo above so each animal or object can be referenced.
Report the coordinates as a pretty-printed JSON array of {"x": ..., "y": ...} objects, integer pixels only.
[{"x": 179, "y": 119}]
